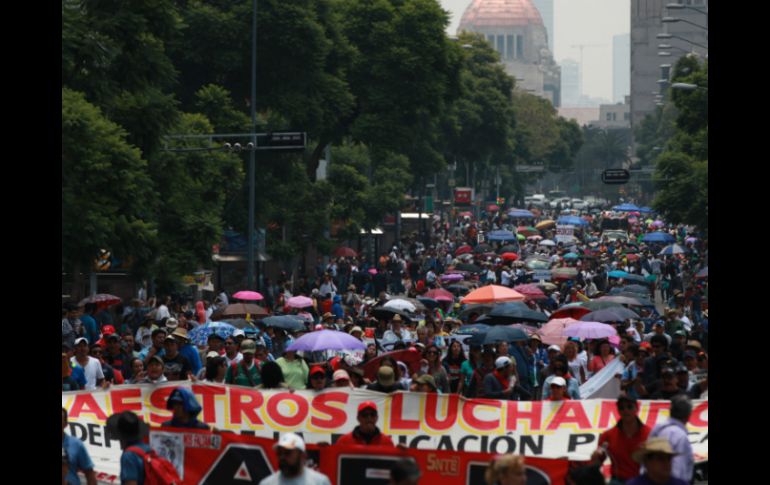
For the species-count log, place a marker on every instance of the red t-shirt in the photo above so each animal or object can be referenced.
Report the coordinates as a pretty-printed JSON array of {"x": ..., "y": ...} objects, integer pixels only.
[
  {"x": 354, "y": 438},
  {"x": 620, "y": 448}
]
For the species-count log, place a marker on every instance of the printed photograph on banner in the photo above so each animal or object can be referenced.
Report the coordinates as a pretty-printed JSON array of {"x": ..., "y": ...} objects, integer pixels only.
[{"x": 171, "y": 447}]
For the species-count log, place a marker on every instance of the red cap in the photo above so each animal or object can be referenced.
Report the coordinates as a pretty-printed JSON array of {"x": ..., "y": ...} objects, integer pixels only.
[
  {"x": 335, "y": 363},
  {"x": 108, "y": 330},
  {"x": 316, "y": 369},
  {"x": 645, "y": 345},
  {"x": 367, "y": 405}
]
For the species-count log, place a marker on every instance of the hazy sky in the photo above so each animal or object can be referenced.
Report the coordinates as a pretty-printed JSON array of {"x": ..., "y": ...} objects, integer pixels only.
[{"x": 578, "y": 22}]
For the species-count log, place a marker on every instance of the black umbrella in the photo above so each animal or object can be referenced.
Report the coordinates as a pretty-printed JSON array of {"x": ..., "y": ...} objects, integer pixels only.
[
  {"x": 615, "y": 314},
  {"x": 473, "y": 329},
  {"x": 482, "y": 248},
  {"x": 479, "y": 309},
  {"x": 637, "y": 289},
  {"x": 286, "y": 322},
  {"x": 515, "y": 312},
  {"x": 458, "y": 289},
  {"x": 385, "y": 313},
  {"x": 471, "y": 268},
  {"x": 499, "y": 334},
  {"x": 428, "y": 302}
]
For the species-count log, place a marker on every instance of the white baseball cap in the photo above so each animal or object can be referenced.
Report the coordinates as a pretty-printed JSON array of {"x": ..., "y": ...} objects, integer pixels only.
[
  {"x": 502, "y": 362},
  {"x": 554, "y": 347},
  {"x": 290, "y": 441},
  {"x": 239, "y": 333},
  {"x": 559, "y": 381}
]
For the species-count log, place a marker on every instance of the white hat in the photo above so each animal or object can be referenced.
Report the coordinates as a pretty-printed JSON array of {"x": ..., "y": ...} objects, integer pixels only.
[
  {"x": 172, "y": 323},
  {"x": 290, "y": 441},
  {"x": 81, "y": 339},
  {"x": 554, "y": 347},
  {"x": 239, "y": 333},
  {"x": 212, "y": 354},
  {"x": 558, "y": 381},
  {"x": 502, "y": 362}
]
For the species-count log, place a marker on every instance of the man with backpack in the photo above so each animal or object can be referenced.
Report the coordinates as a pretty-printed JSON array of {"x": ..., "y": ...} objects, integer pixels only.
[
  {"x": 139, "y": 464},
  {"x": 245, "y": 372}
]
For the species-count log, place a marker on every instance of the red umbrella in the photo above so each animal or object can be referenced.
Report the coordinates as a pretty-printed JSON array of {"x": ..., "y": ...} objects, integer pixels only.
[
  {"x": 440, "y": 295},
  {"x": 510, "y": 256},
  {"x": 527, "y": 231},
  {"x": 345, "y": 252},
  {"x": 532, "y": 292},
  {"x": 465, "y": 214},
  {"x": 632, "y": 257},
  {"x": 571, "y": 312},
  {"x": 464, "y": 249},
  {"x": 492, "y": 294},
  {"x": 102, "y": 300},
  {"x": 493, "y": 208},
  {"x": 410, "y": 357}
]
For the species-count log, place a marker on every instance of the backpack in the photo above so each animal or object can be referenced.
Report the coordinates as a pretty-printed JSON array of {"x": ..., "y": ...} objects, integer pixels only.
[{"x": 157, "y": 470}]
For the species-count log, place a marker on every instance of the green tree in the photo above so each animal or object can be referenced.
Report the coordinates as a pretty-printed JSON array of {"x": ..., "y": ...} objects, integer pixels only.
[{"x": 107, "y": 196}]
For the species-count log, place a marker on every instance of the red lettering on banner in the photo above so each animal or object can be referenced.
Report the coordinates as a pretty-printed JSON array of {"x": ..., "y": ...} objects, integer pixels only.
[
  {"x": 287, "y": 421},
  {"x": 238, "y": 407},
  {"x": 570, "y": 412},
  {"x": 120, "y": 396},
  {"x": 158, "y": 399},
  {"x": 515, "y": 413},
  {"x": 479, "y": 424},
  {"x": 85, "y": 403},
  {"x": 652, "y": 413},
  {"x": 397, "y": 410},
  {"x": 695, "y": 417},
  {"x": 608, "y": 410},
  {"x": 431, "y": 411},
  {"x": 338, "y": 417},
  {"x": 208, "y": 393}
]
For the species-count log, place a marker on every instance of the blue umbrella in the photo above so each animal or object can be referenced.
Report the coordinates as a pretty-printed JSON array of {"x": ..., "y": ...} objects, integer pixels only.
[
  {"x": 626, "y": 208},
  {"x": 521, "y": 214},
  {"x": 200, "y": 335},
  {"x": 501, "y": 236},
  {"x": 572, "y": 221},
  {"x": 659, "y": 237},
  {"x": 571, "y": 256},
  {"x": 671, "y": 250},
  {"x": 286, "y": 322},
  {"x": 646, "y": 210},
  {"x": 513, "y": 311},
  {"x": 473, "y": 329},
  {"x": 428, "y": 302},
  {"x": 628, "y": 276},
  {"x": 617, "y": 274}
]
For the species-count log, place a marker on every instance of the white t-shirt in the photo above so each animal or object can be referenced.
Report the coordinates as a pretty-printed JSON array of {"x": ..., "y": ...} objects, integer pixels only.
[
  {"x": 92, "y": 370},
  {"x": 162, "y": 313},
  {"x": 309, "y": 477},
  {"x": 505, "y": 278},
  {"x": 575, "y": 365},
  {"x": 237, "y": 359}
]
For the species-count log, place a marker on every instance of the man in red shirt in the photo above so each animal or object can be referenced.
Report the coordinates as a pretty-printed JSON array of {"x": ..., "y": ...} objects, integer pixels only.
[
  {"x": 366, "y": 433},
  {"x": 558, "y": 389},
  {"x": 620, "y": 441}
]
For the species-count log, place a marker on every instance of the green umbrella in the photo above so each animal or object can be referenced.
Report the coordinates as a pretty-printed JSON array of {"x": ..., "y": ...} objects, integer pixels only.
[{"x": 520, "y": 237}]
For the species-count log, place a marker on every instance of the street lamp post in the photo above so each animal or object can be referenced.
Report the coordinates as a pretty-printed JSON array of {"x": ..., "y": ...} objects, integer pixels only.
[
  {"x": 673, "y": 20},
  {"x": 252, "y": 153}
]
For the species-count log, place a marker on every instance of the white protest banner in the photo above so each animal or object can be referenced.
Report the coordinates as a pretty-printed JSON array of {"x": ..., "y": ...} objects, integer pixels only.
[
  {"x": 604, "y": 384},
  {"x": 544, "y": 429},
  {"x": 565, "y": 233}
]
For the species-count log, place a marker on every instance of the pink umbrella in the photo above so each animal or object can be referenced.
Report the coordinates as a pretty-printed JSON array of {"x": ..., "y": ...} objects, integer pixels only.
[
  {"x": 102, "y": 300},
  {"x": 440, "y": 295},
  {"x": 532, "y": 292},
  {"x": 248, "y": 295},
  {"x": 372, "y": 271},
  {"x": 658, "y": 224},
  {"x": 299, "y": 302},
  {"x": 452, "y": 277},
  {"x": 590, "y": 330},
  {"x": 551, "y": 332}
]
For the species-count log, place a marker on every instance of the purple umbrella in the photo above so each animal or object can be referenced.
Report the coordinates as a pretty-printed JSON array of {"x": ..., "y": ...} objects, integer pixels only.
[
  {"x": 691, "y": 239},
  {"x": 658, "y": 224},
  {"x": 299, "y": 302},
  {"x": 452, "y": 277},
  {"x": 327, "y": 340},
  {"x": 589, "y": 330}
]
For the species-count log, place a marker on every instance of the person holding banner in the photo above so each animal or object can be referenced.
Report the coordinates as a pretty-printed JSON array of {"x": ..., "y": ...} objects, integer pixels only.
[
  {"x": 506, "y": 470},
  {"x": 500, "y": 383},
  {"x": 74, "y": 457},
  {"x": 367, "y": 432},
  {"x": 620, "y": 441},
  {"x": 186, "y": 409}
]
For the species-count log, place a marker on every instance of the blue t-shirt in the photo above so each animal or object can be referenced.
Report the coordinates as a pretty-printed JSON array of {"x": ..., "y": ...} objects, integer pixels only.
[
  {"x": 79, "y": 374},
  {"x": 192, "y": 355},
  {"x": 78, "y": 458},
  {"x": 92, "y": 329},
  {"x": 132, "y": 465}
]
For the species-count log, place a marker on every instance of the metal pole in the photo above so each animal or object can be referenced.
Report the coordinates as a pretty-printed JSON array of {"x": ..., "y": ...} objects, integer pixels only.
[{"x": 252, "y": 153}]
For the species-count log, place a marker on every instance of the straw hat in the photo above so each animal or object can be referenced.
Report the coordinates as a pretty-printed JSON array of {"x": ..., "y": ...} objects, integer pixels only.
[{"x": 653, "y": 445}]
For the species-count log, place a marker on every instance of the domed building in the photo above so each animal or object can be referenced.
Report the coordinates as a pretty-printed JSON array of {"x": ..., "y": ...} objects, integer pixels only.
[{"x": 515, "y": 30}]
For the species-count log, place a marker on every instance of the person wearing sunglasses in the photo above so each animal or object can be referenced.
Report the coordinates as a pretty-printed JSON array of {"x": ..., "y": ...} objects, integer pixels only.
[{"x": 620, "y": 441}]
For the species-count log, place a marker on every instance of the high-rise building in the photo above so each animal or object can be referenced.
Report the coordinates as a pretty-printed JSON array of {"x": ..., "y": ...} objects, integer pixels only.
[
  {"x": 571, "y": 86},
  {"x": 646, "y": 25},
  {"x": 545, "y": 7},
  {"x": 621, "y": 67},
  {"x": 515, "y": 30}
]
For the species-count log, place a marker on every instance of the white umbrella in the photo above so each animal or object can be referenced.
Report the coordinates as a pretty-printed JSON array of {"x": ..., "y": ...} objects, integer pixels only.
[
  {"x": 403, "y": 305},
  {"x": 671, "y": 250},
  {"x": 547, "y": 242}
]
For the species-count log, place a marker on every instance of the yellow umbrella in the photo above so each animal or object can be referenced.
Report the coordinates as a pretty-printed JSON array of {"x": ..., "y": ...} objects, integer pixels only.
[{"x": 545, "y": 224}]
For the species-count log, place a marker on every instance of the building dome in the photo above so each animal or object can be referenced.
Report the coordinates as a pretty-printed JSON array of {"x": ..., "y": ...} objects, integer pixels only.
[{"x": 500, "y": 14}]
